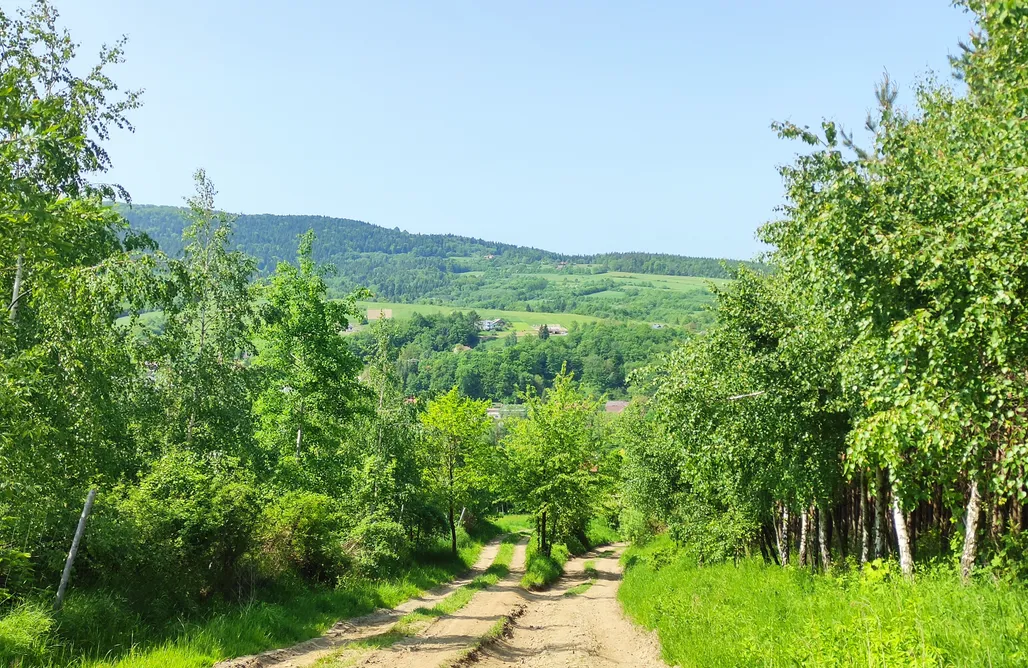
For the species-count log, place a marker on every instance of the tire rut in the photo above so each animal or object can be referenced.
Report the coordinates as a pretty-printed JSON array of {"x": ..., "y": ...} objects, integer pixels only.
[
  {"x": 355, "y": 629},
  {"x": 572, "y": 626},
  {"x": 449, "y": 637}
]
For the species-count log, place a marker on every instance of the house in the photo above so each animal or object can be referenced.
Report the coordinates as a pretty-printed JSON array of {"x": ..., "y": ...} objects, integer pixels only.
[
  {"x": 615, "y": 406},
  {"x": 556, "y": 330},
  {"x": 491, "y": 325}
]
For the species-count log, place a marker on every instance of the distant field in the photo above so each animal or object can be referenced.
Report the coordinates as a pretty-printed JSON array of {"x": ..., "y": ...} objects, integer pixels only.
[
  {"x": 652, "y": 281},
  {"x": 519, "y": 320}
]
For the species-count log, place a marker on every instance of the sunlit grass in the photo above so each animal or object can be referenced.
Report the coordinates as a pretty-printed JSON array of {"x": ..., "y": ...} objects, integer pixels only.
[{"x": 757, "y": 614}]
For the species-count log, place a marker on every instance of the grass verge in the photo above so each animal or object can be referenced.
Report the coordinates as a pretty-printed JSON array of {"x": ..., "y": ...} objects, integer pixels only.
[{"x": 755, "y": 614}]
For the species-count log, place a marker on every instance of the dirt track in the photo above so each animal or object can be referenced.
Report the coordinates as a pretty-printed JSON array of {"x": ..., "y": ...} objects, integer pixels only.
[
  {"x": 570, "y": 630},
  {"x": 359, "y": 628},
  {"x": 577, "y": 623}
]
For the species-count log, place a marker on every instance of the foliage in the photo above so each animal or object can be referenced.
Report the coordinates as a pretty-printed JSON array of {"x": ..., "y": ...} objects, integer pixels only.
[
  {"x": 457, "y": 459},
  {"x": 551, "y": 452}
]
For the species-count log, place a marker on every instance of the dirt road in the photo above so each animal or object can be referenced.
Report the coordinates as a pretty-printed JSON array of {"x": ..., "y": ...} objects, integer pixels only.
[
  {"x": 577, "y": 623},
  {"x": 360, "y": 628}
]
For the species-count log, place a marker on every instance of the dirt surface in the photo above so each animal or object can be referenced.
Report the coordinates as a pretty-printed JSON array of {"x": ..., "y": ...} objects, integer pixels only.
[
  {"x": 358, "y": 628},
  {"x": 450, "y": 636},
  {"x": 577, "y": 623},
  {"x": 587, "y": 629}
]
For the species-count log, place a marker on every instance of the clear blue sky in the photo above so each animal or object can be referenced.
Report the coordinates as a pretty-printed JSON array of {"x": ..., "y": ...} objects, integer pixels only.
[{"x": 572, "y": 126}]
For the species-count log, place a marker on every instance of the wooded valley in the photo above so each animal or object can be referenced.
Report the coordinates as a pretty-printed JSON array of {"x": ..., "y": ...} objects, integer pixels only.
[{"x": 817, "y": 459}]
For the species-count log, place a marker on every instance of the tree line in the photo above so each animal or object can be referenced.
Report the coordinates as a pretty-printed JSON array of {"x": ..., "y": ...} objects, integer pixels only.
[
  {"x": 246, "y": 445},
  {"x": 868, "y": 398}
]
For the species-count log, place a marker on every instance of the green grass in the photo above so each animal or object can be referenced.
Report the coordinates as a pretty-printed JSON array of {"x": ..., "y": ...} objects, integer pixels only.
[
  {"x": 513, "y": 523},
  {"x": 542, "y": 570},
  {"x": 598, "y": 532},
  {"x": 94, "y": 632},
  {"x": 756, "y": 614},
  {"x": 580, "y": 588}
]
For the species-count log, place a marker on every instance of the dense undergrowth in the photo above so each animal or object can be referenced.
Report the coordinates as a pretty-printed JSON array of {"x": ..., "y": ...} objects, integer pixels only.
[
  {"x": 755, "y": 613},
  {"x": 96, "y": 627}
]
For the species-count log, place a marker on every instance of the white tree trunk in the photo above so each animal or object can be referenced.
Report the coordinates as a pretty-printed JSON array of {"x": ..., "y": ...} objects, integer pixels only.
[
  {"x": 79, "y": 530},
  {"x": 804, "y": 516},
  {"x": 865, "y": 524},
  {"x": 880, "y": 492},
  {"x": 16, "y": 292},
  {"x": 902, "y": 537},
  {"x": 970, "y": 553},
  {"x": 822, "y": 537},
  {"x": 783, "y": 537}
]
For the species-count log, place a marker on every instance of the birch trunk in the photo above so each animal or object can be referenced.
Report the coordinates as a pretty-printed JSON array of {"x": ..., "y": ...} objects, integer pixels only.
[
  {"x": 803, "y": 537},
  {"x": 865, "y": 524},
  {"x": 880, "y": 492},
  {"x": 970, "y": 553},
  {"x": 822, "y": 537},
  {"x": 902, "y": 538},
  {"x": 783, "y": 543},
  {"x": 16, "y": 292}
]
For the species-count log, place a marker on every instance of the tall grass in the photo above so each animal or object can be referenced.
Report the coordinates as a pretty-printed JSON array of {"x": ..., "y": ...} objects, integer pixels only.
[
  {"x": 756, "y": 614},
  {"x": 96, "y": 630}
]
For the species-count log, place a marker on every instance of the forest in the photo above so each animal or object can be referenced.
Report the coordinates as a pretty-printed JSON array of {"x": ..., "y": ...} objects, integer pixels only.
[
  {"x": 447, "y": 269},
  {"x": 828, "y": 470},
  {"x": 860, "y": 413}
]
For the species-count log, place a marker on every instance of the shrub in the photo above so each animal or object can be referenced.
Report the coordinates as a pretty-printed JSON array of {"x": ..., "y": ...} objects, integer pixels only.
[
  {"x": 182, "y": 530},
  {"x": 302, "y": 533},
  {"x": 377, "y": 545}
]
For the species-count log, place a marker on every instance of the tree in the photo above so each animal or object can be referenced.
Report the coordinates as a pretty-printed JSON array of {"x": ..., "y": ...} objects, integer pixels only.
[
  {"x": 309, "y": 374},
  {"x": 551, "y": 453},
  {"x": 457, "y": 427},
  {"x": 208, "y": 304}
]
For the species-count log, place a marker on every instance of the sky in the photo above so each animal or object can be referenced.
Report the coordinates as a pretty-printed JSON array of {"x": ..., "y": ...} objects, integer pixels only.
[{"x": 577, "y": 127}]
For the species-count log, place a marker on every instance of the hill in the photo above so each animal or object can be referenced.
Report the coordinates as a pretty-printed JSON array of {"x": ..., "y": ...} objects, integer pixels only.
[{"x": 446, "y": 269}]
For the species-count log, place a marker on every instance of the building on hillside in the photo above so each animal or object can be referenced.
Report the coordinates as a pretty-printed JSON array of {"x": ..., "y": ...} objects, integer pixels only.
[
  {"x": 556, "y": 330},
  {"x": 380, "y": 313},
  {"x": 615, "y": 406},
  {"x": 491, "y": 325}
]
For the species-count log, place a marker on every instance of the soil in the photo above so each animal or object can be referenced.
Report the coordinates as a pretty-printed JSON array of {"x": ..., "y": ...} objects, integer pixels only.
[{"x": 576, "y": 623}]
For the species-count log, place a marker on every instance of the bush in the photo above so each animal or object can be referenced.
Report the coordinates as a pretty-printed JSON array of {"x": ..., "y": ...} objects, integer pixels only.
[
  {"x": 183, "y": 530},
  {"x": 302, "y": 533},
  {"x": 542, "y": 570},
  {"x": 377, "y": 545}
]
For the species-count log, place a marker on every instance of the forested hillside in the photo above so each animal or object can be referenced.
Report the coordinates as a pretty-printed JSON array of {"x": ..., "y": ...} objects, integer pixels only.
[{"x": 399, "y": 266}]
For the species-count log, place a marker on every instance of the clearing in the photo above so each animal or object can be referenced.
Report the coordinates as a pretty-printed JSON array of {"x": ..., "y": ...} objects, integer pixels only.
[{"x": 576, "y": 623}]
